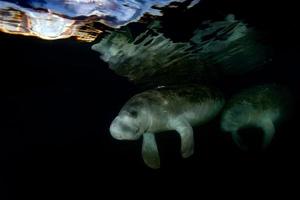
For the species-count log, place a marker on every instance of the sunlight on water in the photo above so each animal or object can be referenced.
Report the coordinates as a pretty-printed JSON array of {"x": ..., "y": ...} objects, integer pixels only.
[{"x": 58, "y": 19}]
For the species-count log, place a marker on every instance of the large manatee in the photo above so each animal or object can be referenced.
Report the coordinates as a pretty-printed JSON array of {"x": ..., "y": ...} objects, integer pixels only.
[
  {"x": 261, "y": 107},
  {"x": 162, "y": 109}
]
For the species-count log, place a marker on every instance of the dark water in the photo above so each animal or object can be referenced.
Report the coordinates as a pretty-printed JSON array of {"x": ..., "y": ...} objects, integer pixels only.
[{"x": 58, "y": 100}]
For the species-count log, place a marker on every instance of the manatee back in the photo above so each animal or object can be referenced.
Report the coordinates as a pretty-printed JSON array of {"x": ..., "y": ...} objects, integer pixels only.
[
  {"x": 263, "y": 97},
  {"x": 190, "y": 94},
  {"x": 196, "y": 101}
]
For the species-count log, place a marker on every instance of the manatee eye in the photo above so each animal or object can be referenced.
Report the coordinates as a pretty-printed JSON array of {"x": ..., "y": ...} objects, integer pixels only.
[{"x": 133, "y": 113}]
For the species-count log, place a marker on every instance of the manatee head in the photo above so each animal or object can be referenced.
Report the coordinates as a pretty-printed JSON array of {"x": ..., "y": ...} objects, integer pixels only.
[
  {"x": 236, "y": 117},
  {"x": 131, "y": 122}
]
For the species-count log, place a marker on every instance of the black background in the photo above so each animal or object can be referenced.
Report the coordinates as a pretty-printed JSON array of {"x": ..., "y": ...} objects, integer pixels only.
[{"x": 58, "y": 99}]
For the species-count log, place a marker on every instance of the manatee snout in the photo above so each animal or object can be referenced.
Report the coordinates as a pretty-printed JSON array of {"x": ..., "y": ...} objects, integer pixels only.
[
  {"x": 123, "y": 129},
  {"x": 115, "y": 130}
]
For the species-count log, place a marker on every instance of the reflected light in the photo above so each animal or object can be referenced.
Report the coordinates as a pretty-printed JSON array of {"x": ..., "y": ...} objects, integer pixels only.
[
  {"x": 58, "y": 19},
  {"x": 45, "y": 25}
]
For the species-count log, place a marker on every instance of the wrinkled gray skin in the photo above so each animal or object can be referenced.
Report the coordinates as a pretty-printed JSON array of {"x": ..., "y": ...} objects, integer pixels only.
[
  {"x": 163, "y": 109},
  {"x": 259, "y": 107}
]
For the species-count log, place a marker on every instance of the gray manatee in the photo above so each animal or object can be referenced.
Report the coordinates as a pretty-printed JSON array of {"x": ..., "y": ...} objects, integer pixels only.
[
  {"x": 260, "y": 107},
  {"x": 163, "y": 109}
]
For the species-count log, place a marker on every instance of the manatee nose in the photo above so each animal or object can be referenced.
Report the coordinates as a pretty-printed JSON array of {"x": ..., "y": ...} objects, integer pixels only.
[{"x": 115, "y": 131}]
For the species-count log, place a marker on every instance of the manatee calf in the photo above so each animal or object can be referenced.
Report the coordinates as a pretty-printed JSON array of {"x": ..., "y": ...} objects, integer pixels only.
[
  {"x": 259, "y": 107},
  {"x": 163, "y": 109}
]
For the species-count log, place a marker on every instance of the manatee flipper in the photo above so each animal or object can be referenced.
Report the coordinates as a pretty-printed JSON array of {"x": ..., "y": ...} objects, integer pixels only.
[
  {"x": 269, "y": 131},
  {"x": 237, "y": 139},
  {"x": 150, "y": 151},
  {"x": 185, "y": 131}
]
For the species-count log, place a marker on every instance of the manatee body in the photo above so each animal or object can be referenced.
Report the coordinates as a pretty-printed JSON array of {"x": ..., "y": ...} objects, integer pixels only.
[
  {"x": 259, "y": 107},
  {"x": 163, "y": 109}
]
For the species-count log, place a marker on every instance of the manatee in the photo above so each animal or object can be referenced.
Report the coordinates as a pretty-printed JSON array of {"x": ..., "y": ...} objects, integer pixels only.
[
  {"x": 176, "y": 108},
  {"x": 261, "y": 107},
  {"x": 217, "y": 50}
]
